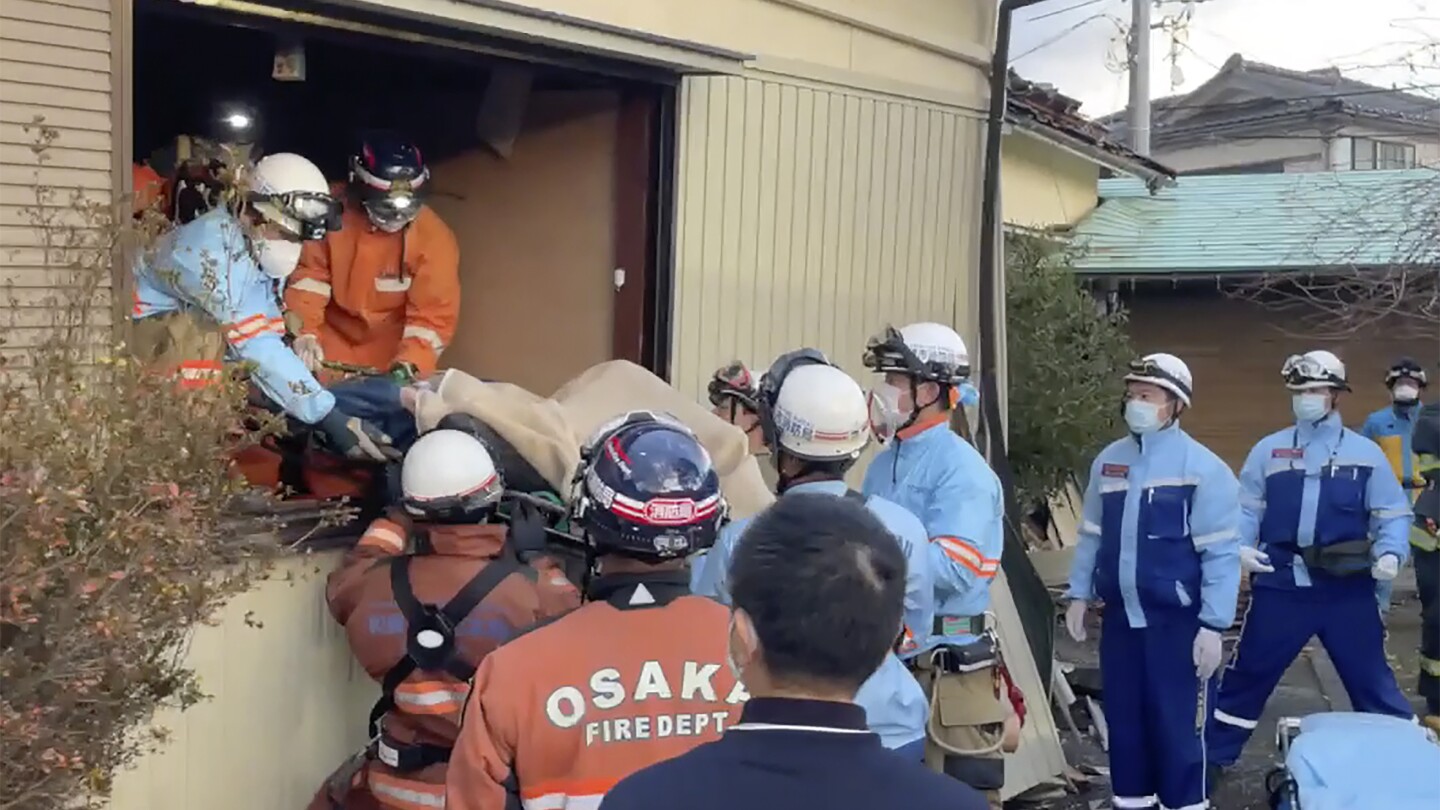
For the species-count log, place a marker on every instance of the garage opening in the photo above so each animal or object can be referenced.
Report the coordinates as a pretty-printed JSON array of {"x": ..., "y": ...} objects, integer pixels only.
[{"x": 554, "y": 179}]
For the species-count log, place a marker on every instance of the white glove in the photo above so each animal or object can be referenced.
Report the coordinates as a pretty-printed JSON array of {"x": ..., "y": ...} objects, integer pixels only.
[
  {"x": 1386, "y": 568},
  {"x": 307, "y": 348},
  {"x": 1207, "y": 652},
  {"x": 1075, "y": 619},
  {"x": 1253, "y": 560}
]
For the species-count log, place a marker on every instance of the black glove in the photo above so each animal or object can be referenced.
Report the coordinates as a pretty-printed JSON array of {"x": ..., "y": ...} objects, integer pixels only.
[
  {"x": 356, "y": 439},
  {"x": 527, "y": 530}
]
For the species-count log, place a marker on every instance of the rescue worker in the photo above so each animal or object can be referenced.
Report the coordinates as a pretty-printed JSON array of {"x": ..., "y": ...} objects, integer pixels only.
[
  {"x": 1391, "y": 427},
  {"x": 946, "y": 483},
  {"x": 428, "y": 592},
  {"x": 815, "y": 421},
  {"x": 1159, "y": 543},
  {"x": 819, "y": 584},
  {"x": 207, "y": 291},
  {"x": 384, "y": 290},
  {"x": 1425, "y": 545},
  {"x": 198, "y": 166},
  {"x": 1321, "y": 520},
  {"x": 559, "y": 715},
  {"x": 732, "y": 392}
]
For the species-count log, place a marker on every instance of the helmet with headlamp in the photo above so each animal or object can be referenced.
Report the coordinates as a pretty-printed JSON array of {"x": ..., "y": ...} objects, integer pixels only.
[{"x": 390, "y": 180}]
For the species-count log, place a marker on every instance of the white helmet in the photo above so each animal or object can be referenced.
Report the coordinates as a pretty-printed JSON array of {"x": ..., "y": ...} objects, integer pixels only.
[
  {"x": 820, "y": 414},
  {"x": 449, "y": 475},
  {"x": 290, "y": 191},
  {"x": 1165, "y": 370},
  {"x": 924, "y": 351},
  {"x": 1314, "y": 369}
]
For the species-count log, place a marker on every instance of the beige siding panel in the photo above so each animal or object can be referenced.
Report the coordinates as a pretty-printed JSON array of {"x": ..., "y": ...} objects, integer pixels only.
[
  {"x": 22, "y": 29},
  {"x": 863, "y": 210},
  {"x": 54, "y": 65},
  {"x": 57, "y": 14},
  {"x": 24, "y": 115}
]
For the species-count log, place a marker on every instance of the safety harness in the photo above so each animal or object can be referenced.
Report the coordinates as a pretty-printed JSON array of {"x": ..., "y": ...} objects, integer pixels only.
[{"x": 430, "y": 643}]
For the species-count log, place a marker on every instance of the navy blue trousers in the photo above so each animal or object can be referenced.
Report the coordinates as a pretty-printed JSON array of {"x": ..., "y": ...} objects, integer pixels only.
[
  {"x": 1278, "y": 624},
  {"x": 1155, "y": 708},
  {"x": 377, "y": 401}
]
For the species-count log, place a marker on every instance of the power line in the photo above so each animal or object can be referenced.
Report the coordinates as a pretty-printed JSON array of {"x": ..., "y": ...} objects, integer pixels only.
[
  {"x": 1065, "y": 10},
  {"x": 1065, "y": 33}
]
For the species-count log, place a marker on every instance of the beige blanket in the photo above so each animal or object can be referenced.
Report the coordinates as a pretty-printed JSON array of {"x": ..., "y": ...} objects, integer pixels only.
[{"x": 549, "y": 432}]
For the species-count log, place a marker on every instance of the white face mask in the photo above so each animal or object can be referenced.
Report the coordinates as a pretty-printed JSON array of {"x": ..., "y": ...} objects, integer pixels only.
[
  {"x": 278, "y": 257},
  {"x": 1309, "y": 407},
  {"x": 885, "y": 415},
  {"x": 1405, "y": 393},
  {"x": 1142, "y": 417}
]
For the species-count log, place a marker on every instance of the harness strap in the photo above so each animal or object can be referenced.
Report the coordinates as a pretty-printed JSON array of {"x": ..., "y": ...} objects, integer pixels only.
[{"x": 421, "y": 617}]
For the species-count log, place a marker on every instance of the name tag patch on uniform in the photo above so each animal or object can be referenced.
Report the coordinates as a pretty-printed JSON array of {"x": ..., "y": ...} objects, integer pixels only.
[
  {"x": 1288, "y": 452},
  {"x": 1115, "y": 470}
]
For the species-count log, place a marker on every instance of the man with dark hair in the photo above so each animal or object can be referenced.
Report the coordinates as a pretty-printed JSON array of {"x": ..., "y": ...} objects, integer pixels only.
[{"x": 818, "y": 586}]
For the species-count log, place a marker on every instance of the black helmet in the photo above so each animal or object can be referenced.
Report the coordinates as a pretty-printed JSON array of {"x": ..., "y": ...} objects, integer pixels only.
[
  {"x": 646, "y": 489},
  {"x": 731, "y": 384},
  {"x": 389, "y": 178},
  {"x": 773, "y": 379},
  {"x": 1406, "y": 367}
]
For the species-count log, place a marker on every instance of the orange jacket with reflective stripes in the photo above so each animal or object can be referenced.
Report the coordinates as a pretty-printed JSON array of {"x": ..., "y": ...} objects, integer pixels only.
[
  {"x": 428, "y": 704},
  {"x": 561, "y": 714},
  {"x": 371, "y": 306}
]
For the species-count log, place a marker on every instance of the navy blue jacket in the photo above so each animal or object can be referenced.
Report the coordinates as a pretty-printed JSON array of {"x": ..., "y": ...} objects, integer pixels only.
[{"x": 792, "y": 754}]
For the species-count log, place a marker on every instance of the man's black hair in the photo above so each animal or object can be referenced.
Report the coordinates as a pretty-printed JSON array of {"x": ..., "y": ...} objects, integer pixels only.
[{"x": 824, "y": 582}]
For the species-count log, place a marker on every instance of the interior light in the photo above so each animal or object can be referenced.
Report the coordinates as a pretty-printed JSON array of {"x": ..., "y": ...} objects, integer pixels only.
[{"x": 238, "y": 120}]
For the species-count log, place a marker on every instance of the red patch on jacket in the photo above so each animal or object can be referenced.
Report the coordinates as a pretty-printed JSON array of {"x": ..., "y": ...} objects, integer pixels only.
[
  {"x": 1288, "y": 452},
  {"x": 1115, "y": 470}
]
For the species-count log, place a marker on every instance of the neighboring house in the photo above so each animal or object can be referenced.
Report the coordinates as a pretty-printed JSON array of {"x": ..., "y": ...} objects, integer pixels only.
[
  {"x": 1183, "y": 257},
  {"x": 1253, "y": 118},
  {"x": 625, "y": 179},
  {"x": 1052, "y": 157}
]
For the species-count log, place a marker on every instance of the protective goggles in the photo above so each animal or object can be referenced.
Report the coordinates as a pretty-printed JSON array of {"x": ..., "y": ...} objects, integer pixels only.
[
  {"x": 887, "y": 351},
  {"x": 1299, "y": 369},
  {"x": 732, "y": 382},
  {"x": 316, "y": 213},
  {"x": 1152, "y": 370},
  {"x": 1413, "y": 372}
]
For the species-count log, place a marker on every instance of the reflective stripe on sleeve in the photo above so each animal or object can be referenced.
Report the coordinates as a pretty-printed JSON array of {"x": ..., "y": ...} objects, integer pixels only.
[
  {"x": 969, "y": 556},
  {"x": 429, "y": 336},
  {"x": 408, "y": 794},
  {"x": 312, "y": 285}
]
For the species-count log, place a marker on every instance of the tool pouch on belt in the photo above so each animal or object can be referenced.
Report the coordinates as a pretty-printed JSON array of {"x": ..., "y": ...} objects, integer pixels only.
[
  {"x": 966, "y": 729},
  {"x": 980, "y": 654},
  {"x": 1344, "y": 559}
]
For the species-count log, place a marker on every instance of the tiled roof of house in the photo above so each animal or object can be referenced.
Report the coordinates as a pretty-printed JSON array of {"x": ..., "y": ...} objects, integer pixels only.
[
  {"x": 1248, "y": 223},
  {"x": 1041, "y": 106}
]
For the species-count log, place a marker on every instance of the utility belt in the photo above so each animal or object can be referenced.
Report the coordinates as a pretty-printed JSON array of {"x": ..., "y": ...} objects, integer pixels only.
[
  {"x": 412, "y": 757},
  {"x": 981, "y": 654},
  {"x": 1346, "y": 558}
]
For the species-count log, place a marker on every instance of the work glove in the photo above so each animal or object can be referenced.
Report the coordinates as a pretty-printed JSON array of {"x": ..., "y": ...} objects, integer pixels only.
[
  {"x": 1253, "y": 560},
  {"x": 1386, "y": 568},
  {"x": 1075, "y": 618},
  {"x": 527, "y": 530},
  {"x": 356, "y": 439},
  {"x": 1207, "y": 652},
  {"x": 307, "y": 348}
]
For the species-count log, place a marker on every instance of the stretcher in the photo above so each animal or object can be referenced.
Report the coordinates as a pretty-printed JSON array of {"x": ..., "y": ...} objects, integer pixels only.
[{"x": 1354, "y": 761}]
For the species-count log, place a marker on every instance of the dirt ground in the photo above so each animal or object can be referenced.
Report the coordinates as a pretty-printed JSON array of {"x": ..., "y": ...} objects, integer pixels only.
[{"x": 1310, "y": 685}]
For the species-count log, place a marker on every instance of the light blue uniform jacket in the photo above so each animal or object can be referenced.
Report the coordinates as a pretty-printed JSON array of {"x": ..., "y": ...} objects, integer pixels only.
[
  {"x": 895, "y": 705},
  {"x": 1316, "y": 484},
  {"x": 944, "y": 481},
  {"x": 206, "y": 264},
  {"x": 1159, "y": 532}
]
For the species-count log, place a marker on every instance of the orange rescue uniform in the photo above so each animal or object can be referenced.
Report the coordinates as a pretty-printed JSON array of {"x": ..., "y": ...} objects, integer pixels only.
[
  {"x": 561, "y": 714},
  {"x": 428, "y": 704},
  {"x": 371, "y": 306},
  {"x": 150, "y": 189}
]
